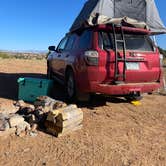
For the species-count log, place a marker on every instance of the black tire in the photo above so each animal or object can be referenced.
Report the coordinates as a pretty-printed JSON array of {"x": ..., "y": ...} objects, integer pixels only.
[
  {"x": 70, "y": 86},
  {"x": 71, "y": 90}
]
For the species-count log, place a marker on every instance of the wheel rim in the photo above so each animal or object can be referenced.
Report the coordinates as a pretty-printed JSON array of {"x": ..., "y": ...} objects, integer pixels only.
[{"x": 70, "y": 86}]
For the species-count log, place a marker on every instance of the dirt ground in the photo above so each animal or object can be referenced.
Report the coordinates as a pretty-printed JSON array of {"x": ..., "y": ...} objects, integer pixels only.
[{"x": 115, "y": 132}]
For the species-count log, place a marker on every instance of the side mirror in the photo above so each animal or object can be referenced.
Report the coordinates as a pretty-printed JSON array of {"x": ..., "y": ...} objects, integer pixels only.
[{"x": 52, "y": 48}]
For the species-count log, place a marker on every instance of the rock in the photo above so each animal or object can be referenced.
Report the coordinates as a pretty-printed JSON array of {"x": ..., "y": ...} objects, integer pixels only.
[
  {"x": 34, "y": 127},
  {"x": 22, "y": 134},
  {"x": 39, "y": 108},
  {"x": 25, "y": 110},
  {"x": 31, "y": 119},
  {"x": 31, "y": 106},
  {"x": 20, "y": 103},
  {"x": 33, "y": 134},
  {"x": 39, "y": 114},
  {"x": 22, "y": 127},
  {"x": 8, "y": 108},
  {"x": 48, "y": 104},
  {"x": 1, "y": 125},
  {"x": 4, "y": 125},
  {"x": 43, "y": 101},
  {"x": 15, "y": 120},
  {"x": 4, "y": 116}
]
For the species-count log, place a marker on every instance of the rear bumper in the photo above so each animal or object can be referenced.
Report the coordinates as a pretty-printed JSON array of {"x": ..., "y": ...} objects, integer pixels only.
[{"x": 124, "y": 89}]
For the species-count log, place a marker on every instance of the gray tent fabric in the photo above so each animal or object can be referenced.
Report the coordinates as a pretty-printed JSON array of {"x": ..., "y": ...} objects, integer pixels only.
[{"x": 138, "y": 13}]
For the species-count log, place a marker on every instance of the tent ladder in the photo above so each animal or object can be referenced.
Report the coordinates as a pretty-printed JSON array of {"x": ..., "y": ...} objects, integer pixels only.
[{"x": 118, "y": 59}]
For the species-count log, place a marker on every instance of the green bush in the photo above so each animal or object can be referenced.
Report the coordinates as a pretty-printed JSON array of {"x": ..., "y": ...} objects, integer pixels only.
[{"x": 4, "y": 55}]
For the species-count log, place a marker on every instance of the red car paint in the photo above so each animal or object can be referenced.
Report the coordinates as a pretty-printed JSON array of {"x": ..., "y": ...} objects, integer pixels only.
[{"x": 100, "y": 78}]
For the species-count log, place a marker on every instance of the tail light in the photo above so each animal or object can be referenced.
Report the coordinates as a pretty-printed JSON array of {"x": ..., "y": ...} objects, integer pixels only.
[{"x": 92, "y": 58}]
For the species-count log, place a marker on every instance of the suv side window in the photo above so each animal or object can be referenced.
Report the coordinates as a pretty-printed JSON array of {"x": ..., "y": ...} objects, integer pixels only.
[
  {"x": 86, "y": 40},
  {"x": 105, "y": 40},
  {"x": 70, "y": 42},
  {"x": 62, "y": 44}
]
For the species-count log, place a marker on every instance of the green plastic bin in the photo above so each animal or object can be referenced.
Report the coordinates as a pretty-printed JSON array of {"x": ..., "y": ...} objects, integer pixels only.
[{"x": 31, "y": 88}]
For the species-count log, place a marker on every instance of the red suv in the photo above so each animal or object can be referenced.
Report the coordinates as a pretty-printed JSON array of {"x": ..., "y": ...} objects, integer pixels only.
[{"x": 106, "y": 59}]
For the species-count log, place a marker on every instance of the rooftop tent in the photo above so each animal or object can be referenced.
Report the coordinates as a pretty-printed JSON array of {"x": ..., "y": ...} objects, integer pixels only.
[{"x": 139, "y": 13}]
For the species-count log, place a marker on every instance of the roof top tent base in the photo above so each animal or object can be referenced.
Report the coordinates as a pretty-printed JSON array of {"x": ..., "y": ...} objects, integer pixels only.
[{"x": 136, "y": 13}]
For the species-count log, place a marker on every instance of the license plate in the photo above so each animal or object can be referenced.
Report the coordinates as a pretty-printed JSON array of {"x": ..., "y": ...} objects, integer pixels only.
[{"x": 132, "y": 66}]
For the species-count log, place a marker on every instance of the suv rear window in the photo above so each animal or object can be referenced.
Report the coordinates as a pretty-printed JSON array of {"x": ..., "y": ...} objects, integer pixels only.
[{"x": 133, "y": 42}]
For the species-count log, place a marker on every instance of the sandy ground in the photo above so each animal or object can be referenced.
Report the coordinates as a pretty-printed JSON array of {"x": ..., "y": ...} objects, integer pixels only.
[{"x": 115, "y": 133}]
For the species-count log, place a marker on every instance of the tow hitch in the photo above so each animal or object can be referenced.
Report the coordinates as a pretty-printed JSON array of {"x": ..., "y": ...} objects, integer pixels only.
[{"x": 134, "y": 95}]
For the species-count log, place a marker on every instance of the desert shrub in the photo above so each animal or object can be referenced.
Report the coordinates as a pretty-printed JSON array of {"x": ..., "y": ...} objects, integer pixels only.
[
  {"x": 7, "y": 55},
  {"x": 4, "y": 55}
]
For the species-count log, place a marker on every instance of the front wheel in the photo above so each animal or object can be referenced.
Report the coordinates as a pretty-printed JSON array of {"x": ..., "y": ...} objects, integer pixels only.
[{"x": 49, "y": 73}]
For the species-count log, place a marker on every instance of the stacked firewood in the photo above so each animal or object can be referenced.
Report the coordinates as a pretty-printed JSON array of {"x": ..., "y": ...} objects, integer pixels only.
[
  {"x": 48, "y": 114},
  {"x": 64, "y": 120}
]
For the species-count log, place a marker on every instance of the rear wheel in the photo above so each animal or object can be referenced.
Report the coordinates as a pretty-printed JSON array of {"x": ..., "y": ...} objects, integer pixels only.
[
  {"x": 70, "y": 86},
  {"x": 72, "y": 94}
]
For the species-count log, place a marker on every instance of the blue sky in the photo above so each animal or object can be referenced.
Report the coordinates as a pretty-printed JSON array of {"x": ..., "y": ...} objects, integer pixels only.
[{"x": 36, "y": 24}]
